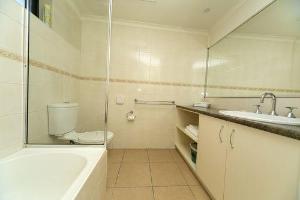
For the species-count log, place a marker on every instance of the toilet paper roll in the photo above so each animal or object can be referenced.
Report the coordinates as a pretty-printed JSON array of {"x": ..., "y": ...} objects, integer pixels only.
[{"x": 131, "y": 116}]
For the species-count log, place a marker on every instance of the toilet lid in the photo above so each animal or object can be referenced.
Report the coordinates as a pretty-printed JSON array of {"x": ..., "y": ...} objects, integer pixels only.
[{"x": 94, "y": 137}]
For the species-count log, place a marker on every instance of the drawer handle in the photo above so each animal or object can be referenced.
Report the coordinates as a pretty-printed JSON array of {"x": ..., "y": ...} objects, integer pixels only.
[
  {"x": 220, "y": 132},
  {"x": 231, "y": 138}
]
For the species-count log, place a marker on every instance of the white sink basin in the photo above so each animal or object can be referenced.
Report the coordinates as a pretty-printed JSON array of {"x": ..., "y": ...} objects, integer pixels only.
[{"x": 262, "y": 117}]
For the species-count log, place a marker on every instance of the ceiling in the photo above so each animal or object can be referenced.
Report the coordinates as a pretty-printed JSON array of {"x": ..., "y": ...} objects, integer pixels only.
[
  {"x": 197, "y": 14},
  {"x": 282, "y": 18}
]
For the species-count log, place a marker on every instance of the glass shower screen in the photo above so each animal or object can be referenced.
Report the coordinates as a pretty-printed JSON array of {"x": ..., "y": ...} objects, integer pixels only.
[{"x": 68, "y": 71}]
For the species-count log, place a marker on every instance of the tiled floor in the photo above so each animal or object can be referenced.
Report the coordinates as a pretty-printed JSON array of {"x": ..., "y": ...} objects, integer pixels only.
[{"x": 150, "y": 175}]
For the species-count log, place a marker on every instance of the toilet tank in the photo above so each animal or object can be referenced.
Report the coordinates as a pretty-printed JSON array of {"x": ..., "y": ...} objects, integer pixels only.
[{"x": 62, "y": 118}]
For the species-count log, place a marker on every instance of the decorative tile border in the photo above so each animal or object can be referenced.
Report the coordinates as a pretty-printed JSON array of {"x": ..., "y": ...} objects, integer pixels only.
[
  {"x": 253, "y": 88},
  {"x": 155, "y": 83},
  {"x": 54, "y": 69},
  {"x": 13, "y": 56},
  {"x": 10, "y": 55}
]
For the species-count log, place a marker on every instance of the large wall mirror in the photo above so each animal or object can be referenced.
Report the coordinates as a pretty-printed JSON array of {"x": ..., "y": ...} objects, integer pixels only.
[{"x": 261, "y": 55}]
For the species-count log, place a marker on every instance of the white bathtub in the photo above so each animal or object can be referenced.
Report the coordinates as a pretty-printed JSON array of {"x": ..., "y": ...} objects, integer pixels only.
[{"x": 54, "y": 173}]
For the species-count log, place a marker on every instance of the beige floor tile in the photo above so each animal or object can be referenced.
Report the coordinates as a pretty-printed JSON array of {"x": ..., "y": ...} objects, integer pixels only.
[
  {"x": 160, "y": 155},
  {"x": 176, "y": 156},
  {"x": 109, "y": 194},
  {"x": 173, "y": 193},
  {"x": 136, "y": 156},
  {"x": 134, "y": 175},
  {"x": 141, "y": 193},
  {"x": 112, "y": 173},
  {"x": 188, "y": 175},
  {"x": 115, "y": 155},
  {"x": 166, "y": 174},
  {"x": 199, "y": 193}
]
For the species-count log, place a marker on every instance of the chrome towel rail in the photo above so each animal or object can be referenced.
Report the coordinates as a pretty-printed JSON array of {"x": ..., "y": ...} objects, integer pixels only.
[{"x": 137, "y": 101}]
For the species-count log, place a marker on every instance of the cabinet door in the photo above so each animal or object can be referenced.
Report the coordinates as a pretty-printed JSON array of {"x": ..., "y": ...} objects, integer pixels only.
[
  {"x": 211, "y": 155},
  {"x": 261, "y": 166}
]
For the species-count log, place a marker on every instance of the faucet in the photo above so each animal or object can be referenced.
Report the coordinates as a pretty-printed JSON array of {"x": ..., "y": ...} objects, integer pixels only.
[{"x": 262, "y": 99}]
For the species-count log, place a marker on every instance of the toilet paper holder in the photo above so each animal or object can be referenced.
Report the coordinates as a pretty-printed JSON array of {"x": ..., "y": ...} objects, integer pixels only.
[{"x": 131, "y": 116}]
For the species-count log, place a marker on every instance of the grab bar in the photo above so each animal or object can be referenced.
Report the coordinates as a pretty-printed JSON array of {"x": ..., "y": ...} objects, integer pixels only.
[{"x": 137, "y": 101}]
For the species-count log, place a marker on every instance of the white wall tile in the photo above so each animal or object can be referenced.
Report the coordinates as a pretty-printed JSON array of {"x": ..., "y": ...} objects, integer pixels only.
[
  {"x": 10, "y": 71},
  {"x": 11, "y": 76},
  {"x": 11, "y": 133}
]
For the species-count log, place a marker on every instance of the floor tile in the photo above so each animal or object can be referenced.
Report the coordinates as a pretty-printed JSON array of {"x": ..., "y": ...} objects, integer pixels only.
[
  {"x": 161, "y": 155},
  {"x": 115, "y": 155},
  {"x": 134, "y": 175},
  {"x": 166, "y": 174},
  {"x": 136, "y": 156},
  {"x": 176, "y": 156},
  {"x": 173, "y": 193},
  {"x": 112, "y": 173},
  {"x": 188, "y": 175},
  {"x": 199, "y": 193},
  {"x": 141, "y": 193}
]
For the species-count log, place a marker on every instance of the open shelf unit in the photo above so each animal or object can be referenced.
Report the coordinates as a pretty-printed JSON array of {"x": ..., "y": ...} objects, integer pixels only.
[
  {"x": 183, "y": 138},
  {"x": 182, "y": 129},
  {"x": 185, "y": 152}
]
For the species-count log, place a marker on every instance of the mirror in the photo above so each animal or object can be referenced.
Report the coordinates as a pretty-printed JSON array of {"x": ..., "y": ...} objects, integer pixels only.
[{"x": 261, "y": 55}]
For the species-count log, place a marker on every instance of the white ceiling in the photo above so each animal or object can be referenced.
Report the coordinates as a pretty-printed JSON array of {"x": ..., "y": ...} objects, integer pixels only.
[
  {"x": 182, "y": 13},
  {"x": 282, "y": 18}
]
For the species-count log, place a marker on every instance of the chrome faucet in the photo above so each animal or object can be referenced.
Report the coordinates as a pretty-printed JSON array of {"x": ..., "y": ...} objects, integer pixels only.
[{"x": 262, "y": 99}]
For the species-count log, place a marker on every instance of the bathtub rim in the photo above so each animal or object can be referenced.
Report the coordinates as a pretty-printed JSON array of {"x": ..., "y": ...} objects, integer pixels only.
[{"x": 97, "y": 153}]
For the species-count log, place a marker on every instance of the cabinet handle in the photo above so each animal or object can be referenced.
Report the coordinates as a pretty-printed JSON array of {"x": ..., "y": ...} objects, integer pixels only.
[
  {"x": 220, "y": 137},
  {"x": 231, "y": 136}
]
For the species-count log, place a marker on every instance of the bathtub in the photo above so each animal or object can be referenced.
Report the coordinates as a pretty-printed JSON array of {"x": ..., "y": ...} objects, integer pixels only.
[{"x": 54, "y": 173}]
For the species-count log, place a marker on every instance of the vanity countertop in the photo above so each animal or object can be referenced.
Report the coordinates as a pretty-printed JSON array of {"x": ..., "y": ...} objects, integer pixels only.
[{"x": 283, "y": 130}]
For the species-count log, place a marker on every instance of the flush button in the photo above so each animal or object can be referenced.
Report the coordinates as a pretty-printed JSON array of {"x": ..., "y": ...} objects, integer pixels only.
[{"x": 120, "y": 100}]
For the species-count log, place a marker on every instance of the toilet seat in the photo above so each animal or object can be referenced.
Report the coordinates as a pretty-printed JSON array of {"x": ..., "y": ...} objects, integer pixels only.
[{"x": 94, "y": 137}]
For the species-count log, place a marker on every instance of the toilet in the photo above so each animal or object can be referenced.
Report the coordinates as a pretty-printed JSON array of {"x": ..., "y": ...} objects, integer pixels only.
[{"x": 62, "y": 120}]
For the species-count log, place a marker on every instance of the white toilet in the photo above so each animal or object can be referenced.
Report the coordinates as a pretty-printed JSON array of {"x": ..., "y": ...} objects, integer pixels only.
[{"x": 62, "y": 119}]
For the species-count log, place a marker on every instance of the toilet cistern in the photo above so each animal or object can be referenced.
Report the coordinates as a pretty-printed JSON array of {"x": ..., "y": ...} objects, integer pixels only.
[
  {"x": 62, "y": 120},
  {"x": 262, "y": 99}
]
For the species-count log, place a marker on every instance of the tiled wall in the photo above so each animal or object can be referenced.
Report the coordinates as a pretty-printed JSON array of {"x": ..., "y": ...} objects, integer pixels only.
[
  {"x": 93, "y": 64},
  {"x": 11, "y": 78},
  {"x": 170, "y": 58},
  {"x": 149, "y": 63}
]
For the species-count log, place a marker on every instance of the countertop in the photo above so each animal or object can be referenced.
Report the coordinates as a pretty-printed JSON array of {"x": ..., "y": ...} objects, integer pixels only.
[{"x": 283, "y": 130}]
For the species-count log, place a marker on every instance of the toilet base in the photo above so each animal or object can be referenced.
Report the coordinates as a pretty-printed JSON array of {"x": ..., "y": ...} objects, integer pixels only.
[{"x": 94, "y": 137}]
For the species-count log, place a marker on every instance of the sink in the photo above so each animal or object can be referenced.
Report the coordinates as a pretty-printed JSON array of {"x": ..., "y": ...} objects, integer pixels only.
[{"x": 262, "y": 117}]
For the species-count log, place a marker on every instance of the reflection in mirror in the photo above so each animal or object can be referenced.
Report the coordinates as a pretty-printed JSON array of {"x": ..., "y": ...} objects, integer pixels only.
[
  {"x": 68, "y": 63},
  {"x": 42, "y": 9},
  {"x": 261, "y": 55}
]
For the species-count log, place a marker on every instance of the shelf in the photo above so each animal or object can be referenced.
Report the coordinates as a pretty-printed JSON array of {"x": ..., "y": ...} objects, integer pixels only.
[
  {"x": 186, "y": 156},
  {"x": 182, "y": 129}
]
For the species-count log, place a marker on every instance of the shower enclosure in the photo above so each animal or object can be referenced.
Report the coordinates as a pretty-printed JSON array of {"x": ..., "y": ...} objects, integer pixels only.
[
  {"x": 153, "y": 59},
  {"x": 68, "y": 67}
]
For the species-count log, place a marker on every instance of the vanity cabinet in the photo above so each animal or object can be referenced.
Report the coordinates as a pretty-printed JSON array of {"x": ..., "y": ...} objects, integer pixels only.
[
  {"x": 261, "y": 166},
  {"x": 236, "y": 162},
  {"x": 211, "y": 155}
]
